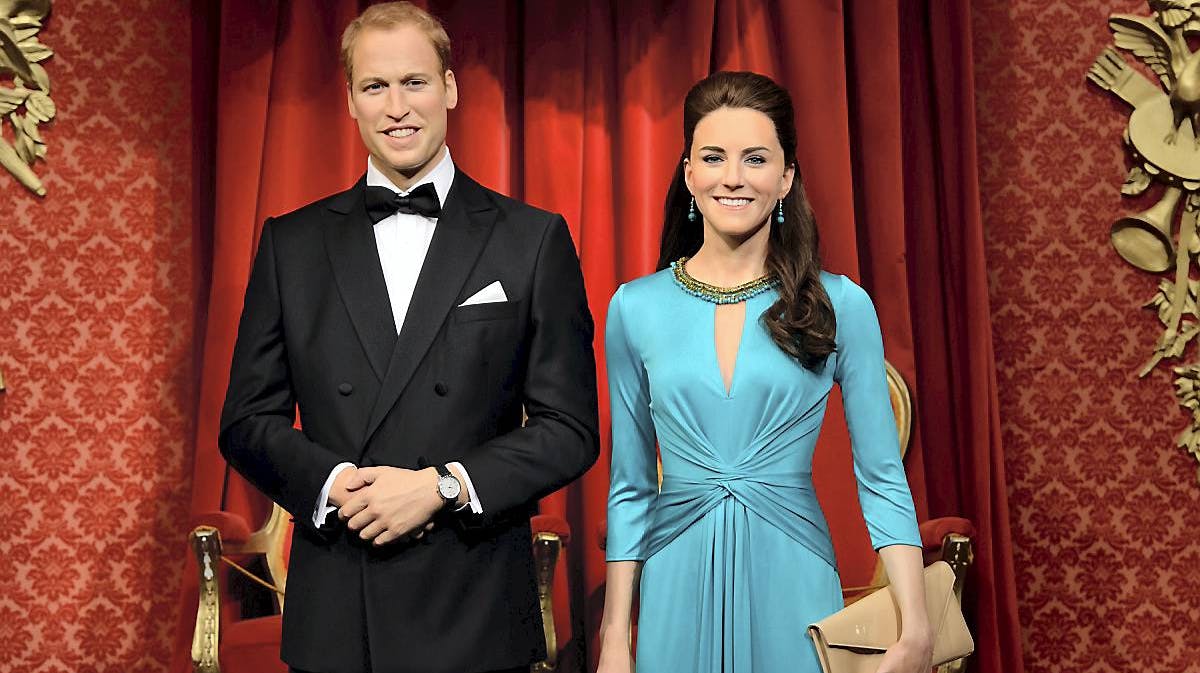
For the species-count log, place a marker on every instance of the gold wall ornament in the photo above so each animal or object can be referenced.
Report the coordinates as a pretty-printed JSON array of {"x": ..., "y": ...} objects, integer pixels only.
[
  {"x": 1163, "y": 140},
  {"x": 26, "y": 99}
]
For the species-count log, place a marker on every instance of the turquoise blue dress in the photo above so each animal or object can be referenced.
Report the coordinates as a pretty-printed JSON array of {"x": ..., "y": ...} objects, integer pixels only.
[{"x": 737, "y": 555}]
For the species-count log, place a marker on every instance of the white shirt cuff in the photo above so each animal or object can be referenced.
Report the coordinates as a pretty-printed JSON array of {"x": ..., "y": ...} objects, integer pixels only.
[
  {"x": 323, "y": 507},
  {"x": 473, "y": 503}
]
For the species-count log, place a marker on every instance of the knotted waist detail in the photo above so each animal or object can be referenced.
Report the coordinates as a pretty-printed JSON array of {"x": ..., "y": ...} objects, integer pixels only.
[
  {"x": 784, "y": 499},
  {"x": 764, "y": 480}
]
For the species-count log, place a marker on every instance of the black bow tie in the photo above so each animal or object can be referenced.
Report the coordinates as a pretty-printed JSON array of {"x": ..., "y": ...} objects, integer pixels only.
[{"x": 383, "y": 202}]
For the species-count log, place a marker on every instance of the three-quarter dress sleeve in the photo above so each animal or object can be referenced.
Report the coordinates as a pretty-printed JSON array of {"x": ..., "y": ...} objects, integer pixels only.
[
  {"x": 633, "y": 485},
  {"x": 883, "y": 492}
]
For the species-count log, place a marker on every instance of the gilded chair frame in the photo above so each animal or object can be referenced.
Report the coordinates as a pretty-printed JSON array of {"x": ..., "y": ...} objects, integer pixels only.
[
  {"x": 210, "y": 552},
  {"x": 270, "y": 542},
  {"x": 547, "y": 547}
]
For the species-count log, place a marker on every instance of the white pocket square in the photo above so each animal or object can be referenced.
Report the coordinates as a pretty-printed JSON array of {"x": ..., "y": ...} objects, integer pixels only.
[{"x": 488, "y": 295}]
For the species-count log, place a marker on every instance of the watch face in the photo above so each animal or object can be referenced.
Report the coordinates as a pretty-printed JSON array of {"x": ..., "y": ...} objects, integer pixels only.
[{"x": 448, "y": 487}]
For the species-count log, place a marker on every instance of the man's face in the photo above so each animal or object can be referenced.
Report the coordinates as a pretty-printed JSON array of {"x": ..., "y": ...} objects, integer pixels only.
[{"x": 399, "y": 97}]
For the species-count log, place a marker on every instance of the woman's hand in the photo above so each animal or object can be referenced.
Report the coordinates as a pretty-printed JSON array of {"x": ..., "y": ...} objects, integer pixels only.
[
  {"x": 615, "y": 656},
  {"x": 910, "y": 654}
]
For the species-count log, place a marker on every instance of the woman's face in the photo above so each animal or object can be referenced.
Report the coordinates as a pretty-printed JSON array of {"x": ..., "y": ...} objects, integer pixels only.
[{"x": 736, "y": 171}]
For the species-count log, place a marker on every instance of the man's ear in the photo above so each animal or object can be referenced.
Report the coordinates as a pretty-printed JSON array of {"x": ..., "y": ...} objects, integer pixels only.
[
  {"x": 451, "y": 90},
  {"x": 350, "y": 101}
]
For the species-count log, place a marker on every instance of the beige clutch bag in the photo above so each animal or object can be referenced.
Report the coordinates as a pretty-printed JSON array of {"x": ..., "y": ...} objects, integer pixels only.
[{"x": 854, "y": 639}]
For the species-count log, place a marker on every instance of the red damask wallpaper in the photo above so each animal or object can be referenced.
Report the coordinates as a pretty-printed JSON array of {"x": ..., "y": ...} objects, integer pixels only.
[
  {"x": 96, "y": 334},
  {"x": 1104, "y": 509}
]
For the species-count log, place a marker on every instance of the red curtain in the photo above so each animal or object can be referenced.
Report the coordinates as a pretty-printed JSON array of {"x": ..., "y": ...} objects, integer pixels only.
[
  {"x": 576, "y": 107},
  {"x": 952, "y": 327}
]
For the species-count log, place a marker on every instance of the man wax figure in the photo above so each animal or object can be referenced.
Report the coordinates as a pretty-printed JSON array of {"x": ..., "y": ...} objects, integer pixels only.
[{"x": 411, "y": 319}]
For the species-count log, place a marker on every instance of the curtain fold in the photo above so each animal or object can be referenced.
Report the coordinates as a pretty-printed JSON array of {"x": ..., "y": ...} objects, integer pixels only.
[
  {"x": 576, "y": 107},
  {"x": 955, "y": 360},
  {"x": 876, "y": 150}
]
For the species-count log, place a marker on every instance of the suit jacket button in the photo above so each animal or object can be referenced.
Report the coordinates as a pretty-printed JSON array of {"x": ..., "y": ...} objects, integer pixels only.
[
  {"x": 345, "y": 388},
  {"x": 441, "y": 389}
]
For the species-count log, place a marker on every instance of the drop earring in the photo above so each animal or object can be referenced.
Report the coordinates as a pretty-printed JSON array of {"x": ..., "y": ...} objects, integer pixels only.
[
  {"x": 779, "y": 213},
  {"x": 692, "y": 210}
]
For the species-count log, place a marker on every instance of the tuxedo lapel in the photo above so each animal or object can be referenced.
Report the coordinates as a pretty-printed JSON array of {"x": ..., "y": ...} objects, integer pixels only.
[
  {"x": 458, "y": 239},
  {"x": 350, "y": 242}
]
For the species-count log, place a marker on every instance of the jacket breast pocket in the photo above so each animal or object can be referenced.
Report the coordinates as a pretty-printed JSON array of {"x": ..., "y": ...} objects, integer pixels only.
[
  {"x": 486, "y": 333},
  {"x": 495, "y": 310}
]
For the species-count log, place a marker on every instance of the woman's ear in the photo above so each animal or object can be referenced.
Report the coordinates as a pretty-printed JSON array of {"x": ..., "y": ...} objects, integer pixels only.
[{"x": 789, "y": 174}]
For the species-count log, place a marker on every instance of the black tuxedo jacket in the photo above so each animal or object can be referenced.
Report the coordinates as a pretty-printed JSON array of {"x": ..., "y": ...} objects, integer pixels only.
[{"x": 317, "y": 332}]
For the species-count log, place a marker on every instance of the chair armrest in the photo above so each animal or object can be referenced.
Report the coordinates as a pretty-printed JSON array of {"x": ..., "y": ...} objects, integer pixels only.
[
  {"x": 949, "y": 539},
  {"x": 934, "y": 532},
  {"x": 233, "y": 527},
  {"x": 549, "y": 523}
]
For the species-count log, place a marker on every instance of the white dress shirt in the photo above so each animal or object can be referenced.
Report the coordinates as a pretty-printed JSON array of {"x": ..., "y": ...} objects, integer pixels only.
[{"x": 403, "y": 241}]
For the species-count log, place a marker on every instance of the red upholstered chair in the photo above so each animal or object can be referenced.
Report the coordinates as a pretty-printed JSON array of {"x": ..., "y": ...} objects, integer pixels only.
[
  {"x": 223, "y": 640},
  {"x": 226, "y": 642}
]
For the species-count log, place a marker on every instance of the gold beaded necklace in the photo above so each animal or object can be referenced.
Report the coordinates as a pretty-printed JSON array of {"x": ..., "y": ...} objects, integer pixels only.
[{"x": 716, "y": 294}]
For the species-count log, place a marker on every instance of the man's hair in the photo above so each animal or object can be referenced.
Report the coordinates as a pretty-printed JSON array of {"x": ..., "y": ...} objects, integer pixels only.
[{"x": 390, "y": 15}]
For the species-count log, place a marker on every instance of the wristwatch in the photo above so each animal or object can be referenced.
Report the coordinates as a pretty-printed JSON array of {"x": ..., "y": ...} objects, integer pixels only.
[{"x": 447, "y": 485}]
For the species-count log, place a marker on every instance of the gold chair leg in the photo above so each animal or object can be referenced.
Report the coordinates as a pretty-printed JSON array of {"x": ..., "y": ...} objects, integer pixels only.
[
  {"x": 957, "y": 551},
  {"x": 206, "y": 545},
  {"x": 546, "y": 548}
]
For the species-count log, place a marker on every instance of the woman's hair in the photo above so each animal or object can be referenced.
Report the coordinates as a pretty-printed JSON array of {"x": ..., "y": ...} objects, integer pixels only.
[{"x": 802, "y": 321}]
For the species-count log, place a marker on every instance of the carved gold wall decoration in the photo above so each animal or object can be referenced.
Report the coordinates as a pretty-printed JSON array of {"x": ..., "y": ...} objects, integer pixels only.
[
  {"x": 26, "y": 99},
  {"x": 1163, "y": 140}
]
